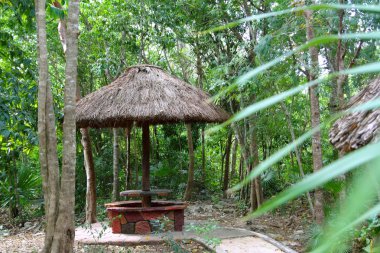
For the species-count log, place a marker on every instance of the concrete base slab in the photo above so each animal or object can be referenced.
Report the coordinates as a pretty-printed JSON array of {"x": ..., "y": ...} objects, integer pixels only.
[
  {"x": 100, "y": 233},
  {"x": 232, "y": 239}
]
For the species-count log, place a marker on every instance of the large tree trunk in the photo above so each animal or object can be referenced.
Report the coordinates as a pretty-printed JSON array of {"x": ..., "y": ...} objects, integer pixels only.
[
  {"x": 190, "y": 177},
  {"x": 227, "y": 165},
  {"x": 115, "y": 185},
  {"x": 46, "y": 131},
  {"x": 85, "y": 140},
  {"x": 337, "y": 101},
  {"x": 315, "y": 117},
  {"x": 64, "y": 228}
]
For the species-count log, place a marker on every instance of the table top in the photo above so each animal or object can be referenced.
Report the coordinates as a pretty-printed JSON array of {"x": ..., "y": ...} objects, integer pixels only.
[{"x": 140, "y": 193}]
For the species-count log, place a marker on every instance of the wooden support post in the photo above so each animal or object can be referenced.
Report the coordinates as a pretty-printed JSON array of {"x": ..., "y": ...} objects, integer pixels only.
[{"x": 146, "y": 200}]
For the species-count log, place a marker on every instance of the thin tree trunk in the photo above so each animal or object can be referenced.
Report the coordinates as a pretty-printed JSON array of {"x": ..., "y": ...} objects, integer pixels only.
[
  {"x": 128, "y": 169},
  {"x": 315, "y": 117},
  {"x": 242, "y": 175},
  {"x": 157, "y": 148},
  {"x": 190, "y": 178},
  {"x": 256, "y": 191},
  {"x": 233, "y": 159},
  {"x": 200, "y": 77},
  {"x": 90, "y": 177},
  {"x": 340, "y": 62},
  {"x": 13, "y": 178},
  {"x": 203, "y": 155},
  {"x": 136, "y": 160},
  {"x": 227, "y": 165},
  {"x": 241, "y": 168},
  {"x": 115, "y": 185},
  {"x": 298, "y": 154},
  {"x": 90, "y": 172},
  {"x": 222, "y": 156},
  {"x": 248, "y": 167},
  {"x": 146, "y": 200}
]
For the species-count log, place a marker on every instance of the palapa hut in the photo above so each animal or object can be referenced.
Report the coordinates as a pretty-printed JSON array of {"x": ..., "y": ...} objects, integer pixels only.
[
  {"x": 360, "y": 128},
  {"x": 145, "y": 95}
]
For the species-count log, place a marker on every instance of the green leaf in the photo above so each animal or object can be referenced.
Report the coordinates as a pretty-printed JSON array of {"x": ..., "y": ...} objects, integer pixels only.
[
  {"x": 5, "y": 133},
  {"x": 360, "y": 204},
  {"x": 55, "y": 12},
  {"x": 314, "y": 42},
  {"x": 253, "y": 108},
  {"x": 316, "y": 7}
]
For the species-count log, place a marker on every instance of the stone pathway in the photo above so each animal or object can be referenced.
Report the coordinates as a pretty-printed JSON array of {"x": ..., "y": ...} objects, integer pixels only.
[
  {"x": 232, "y": 239},
  {"x": 246, "y": 244}
]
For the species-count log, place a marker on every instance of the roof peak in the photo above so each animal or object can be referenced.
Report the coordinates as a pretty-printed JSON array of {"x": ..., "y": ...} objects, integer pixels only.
[{"x": 143, "y": 66}]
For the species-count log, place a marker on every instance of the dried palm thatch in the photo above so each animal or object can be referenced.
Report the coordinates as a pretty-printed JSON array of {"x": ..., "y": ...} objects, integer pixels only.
[
  {"x": 146, "y": 94},
  {"x": 357, "y": 129}
]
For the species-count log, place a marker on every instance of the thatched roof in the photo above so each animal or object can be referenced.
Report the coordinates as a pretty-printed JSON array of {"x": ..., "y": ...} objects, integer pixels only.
[
  {"x": 357, "y": 129},
  {"x": 146, "y": 94}
]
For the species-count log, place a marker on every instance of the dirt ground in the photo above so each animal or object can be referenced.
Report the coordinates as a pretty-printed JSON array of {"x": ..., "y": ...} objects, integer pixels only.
[{"x": 290, "y": 225}]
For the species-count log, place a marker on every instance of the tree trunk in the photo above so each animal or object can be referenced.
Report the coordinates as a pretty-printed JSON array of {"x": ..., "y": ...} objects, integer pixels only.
[
  {"x": 115, "y": 185},
  {"x": 256, "y": 191},
  {"x": 233, "y": 159},
  {"x": 12, "y": 174},
  {"x": 46, "y": 131},
  {"x": 128, "y": 169},
  {"x": 227, "y": 165},
  {"x": 246, "y": 192},
  {"x": 200, "y": 77},
  {"x": 190, "y": 178},
  {"x": 157, "y": 147},
  {"x": 222, "y": 156},
  {"x": 241, "y": 168},
  {"x": 298, "y": 154},
  {"x": 85, "y": 140},
  {"x": 203, "y": 155},
  {"x": 90, "y": 177},
  {"x": 146, "y": 200},
  {"x": 340, "y": 62},
  {"x": 315, "y": 117},
  {"x": 65, "y": 230},
  {"x": 136, "y": 159}
]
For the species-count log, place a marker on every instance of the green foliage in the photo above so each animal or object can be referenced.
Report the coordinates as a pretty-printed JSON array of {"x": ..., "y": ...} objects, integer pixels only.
[
  {"x": 248, "y": 75},
  {"x": 368, "y": 234},
  {"x": 26, "y": 189},
  {"x": 204, "y": 231},
  {"x": 362, "y": 194}
]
